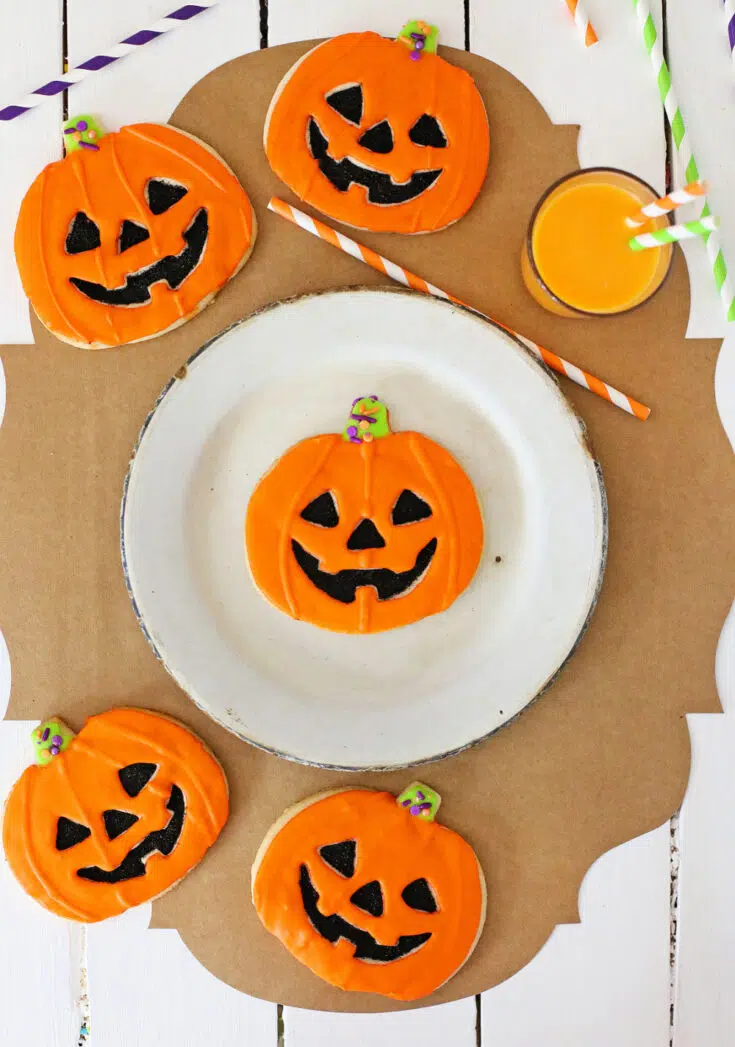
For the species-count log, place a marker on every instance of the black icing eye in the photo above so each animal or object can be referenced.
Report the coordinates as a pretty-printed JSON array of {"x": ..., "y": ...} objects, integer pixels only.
[
  {"x": 162, "y": 193},
  {"x": 369, "y": 898},
  {"x": 118, "y": 822},
  {"x": 83, "y": 234},
  {"x": 409, "y": 508},
  {"x": 347, "y": 101},
  {"x": 417, "y": 895},
  {"x": 136, "y": 776},
  {"x": 426, "y": 131},
  {"x": 131, "y": 233},
  {"x": 322, "y": 511},
  {"x": 340, "y": 856},
  {"x": 69, "y": 833},
  {"x": 378, "y": 139}
]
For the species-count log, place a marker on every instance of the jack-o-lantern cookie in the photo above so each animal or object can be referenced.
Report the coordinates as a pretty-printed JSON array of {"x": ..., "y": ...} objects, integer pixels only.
[
  {"x": 131, "y": 234},
  {"x": 380, "y": 134},
  {"x": 369, "y": 892},
  {"x": 365, "y": 530},
  {"x": 113, "y": 816}
]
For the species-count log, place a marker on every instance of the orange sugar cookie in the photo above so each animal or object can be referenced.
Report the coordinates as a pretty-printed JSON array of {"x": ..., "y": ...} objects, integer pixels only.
[
  {"x": 113, "y": 816},
  {"x": 365, "y": 530},
  {"x": 130, "y": 236},
  {"x": 369, "y": 892},
  {"x": 380, "y": 134}
]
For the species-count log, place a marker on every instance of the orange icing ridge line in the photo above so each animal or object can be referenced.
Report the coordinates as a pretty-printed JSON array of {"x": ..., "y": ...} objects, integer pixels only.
[
  {"x": 44, "y": 261},
  {"x": 136, "y": 133},
  {"x": 76, "y": 159},
  {"x": 283, "y": 538},
  {"x": 448, "y": 511},
  {"x": 29, "y": 849}
]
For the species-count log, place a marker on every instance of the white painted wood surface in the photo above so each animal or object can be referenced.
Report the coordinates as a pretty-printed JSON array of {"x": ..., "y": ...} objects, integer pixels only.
[{"x": 605, "y": 980}]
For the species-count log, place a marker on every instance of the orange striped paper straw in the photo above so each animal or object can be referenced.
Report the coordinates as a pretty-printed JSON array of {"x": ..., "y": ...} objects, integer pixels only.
[
  {"x": 582, "y": 22},
  {"x": 666, "y": 204},
  {"x": 404, "y": 276}
]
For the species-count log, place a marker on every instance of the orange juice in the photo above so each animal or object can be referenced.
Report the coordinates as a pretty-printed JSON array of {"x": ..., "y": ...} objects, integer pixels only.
[{"x": 576, "y": 260}]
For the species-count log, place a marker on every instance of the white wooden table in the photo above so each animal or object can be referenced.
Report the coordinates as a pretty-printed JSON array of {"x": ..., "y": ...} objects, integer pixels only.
[{"x": 653, "y": 958}]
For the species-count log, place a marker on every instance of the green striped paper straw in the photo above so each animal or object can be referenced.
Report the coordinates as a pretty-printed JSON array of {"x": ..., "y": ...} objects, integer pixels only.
[
  {"x": 684, "y": 148},
  {"x": 671, "y": 234}
]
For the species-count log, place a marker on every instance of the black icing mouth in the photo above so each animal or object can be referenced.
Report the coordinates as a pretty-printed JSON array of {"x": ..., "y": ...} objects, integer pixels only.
[
  {"x": 335, "y": 927},
  {"x": 173, "y": 269},
  {"x": 380, "y": 186},
  {"x": 344, "y": 584},
  {"x": 162, "y": 841}
]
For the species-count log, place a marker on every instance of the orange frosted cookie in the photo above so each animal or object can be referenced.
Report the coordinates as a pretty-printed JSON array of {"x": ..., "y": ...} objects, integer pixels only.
[
  {"x": 364, "y": 530},
  {"x": 380, "y": 134},
  {"x": 114, "y": 816},
  {"x": 369, "y": 892},
  {"x": 130, "y": 235}
]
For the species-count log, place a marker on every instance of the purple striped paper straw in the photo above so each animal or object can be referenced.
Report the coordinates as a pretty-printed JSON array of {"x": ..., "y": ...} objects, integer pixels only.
[
  {"x": 730, "y": 15},
  {"x": 112, "y": 54}
]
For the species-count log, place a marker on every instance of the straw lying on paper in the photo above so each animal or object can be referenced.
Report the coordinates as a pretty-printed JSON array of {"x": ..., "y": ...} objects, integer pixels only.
[{"x": 404, "y": 276}]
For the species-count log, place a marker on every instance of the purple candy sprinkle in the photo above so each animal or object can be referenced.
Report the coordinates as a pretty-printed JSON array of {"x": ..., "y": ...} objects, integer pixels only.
[
  {"x": 46, "y": 733},
  {"x": 419, "y": 796},
  {"x": 82, "y": 125},
  {"x": 57, "y": 740},
  {"x": 405, "y": 803},
  {"x": 415, "y": 810},
  {"x": 54, "y": 750},
  {"x": 425, "y": 807},
  {"x": 352, "y": 430}
]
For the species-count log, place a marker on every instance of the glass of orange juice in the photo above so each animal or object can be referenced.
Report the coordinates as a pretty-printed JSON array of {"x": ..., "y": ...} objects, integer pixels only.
[{"x": 576, "y": 260}]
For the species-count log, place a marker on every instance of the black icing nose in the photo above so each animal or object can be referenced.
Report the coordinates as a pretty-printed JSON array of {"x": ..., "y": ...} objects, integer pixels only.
[{"x": 366, "y": 536}]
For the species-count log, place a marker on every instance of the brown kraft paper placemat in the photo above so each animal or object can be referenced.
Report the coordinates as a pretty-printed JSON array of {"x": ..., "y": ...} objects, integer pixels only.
[{"x": 602, "y": 757}]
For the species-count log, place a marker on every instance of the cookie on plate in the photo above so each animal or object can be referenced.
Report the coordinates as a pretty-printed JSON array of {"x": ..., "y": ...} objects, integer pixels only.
[
  {"x": 364, "y": 530},
  {"x": 369, "y": 892},
  {"x": 113, "y": 816},
  {"x": 380, "y": 134},
  {"x": 131, "y": 234}
]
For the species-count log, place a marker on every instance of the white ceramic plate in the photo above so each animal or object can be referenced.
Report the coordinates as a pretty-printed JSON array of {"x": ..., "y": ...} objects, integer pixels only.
[{"x": 399, "y": 697}]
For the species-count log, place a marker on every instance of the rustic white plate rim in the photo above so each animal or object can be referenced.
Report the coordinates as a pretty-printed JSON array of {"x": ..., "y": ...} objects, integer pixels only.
[{"x": 462, "y": 345}]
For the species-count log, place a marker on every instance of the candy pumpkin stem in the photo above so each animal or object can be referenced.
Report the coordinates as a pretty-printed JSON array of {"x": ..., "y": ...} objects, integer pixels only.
[
  {"x": 368, "y": 421},
  {"x": 49, "y": 739},
  {"x": 421, "y": 37},
  {"x": 82, "y": 132},
  {"x": 420, "y": 800}
]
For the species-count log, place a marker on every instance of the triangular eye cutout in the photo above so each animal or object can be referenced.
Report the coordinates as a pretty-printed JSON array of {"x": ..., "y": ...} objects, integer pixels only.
[
  {"x": 131, "y": 233},
  {"x": 347, "y": 101},
  {"x": 162, "y": 193},
  {"x": 378, "y": 138},
  {"x": 83, "y": 234},
  {"x": 69, "y": 833},
  {"x": 136, "y": 776},
  {"x": 417, "y": 895},
  {"x": 118, "y": 822},
  {"x": 340, "y": 856},
  {"x": 369, "y": 898},
  {"x": 409, "y": 508},
  {"x": 426, "y": 131},
  {"x": 322, "y": 511}
]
